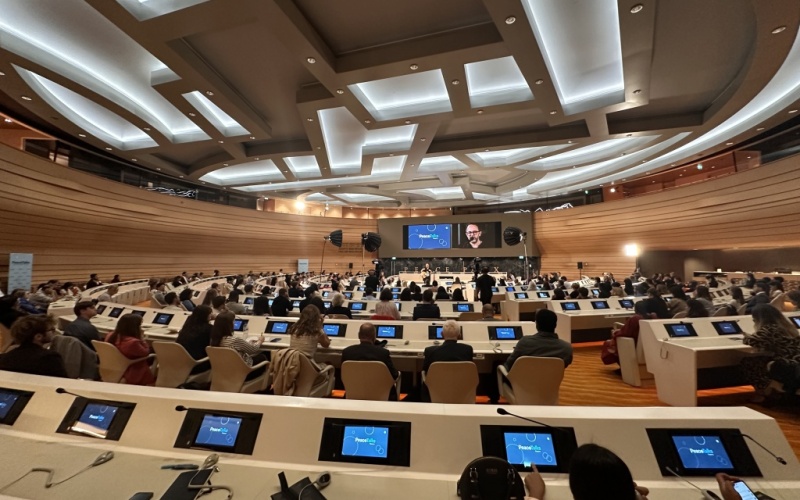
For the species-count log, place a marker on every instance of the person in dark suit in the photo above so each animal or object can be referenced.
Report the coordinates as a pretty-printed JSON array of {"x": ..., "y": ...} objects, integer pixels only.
[
  {"x": 281, "y": 305},
  {"x": 483, "y": 285},
  {"x": 261, "y": 304},
  {"x": 545, "y": 343},
  {"x": 372, "y": 280},
  {"x": 366, "y": 350},
  {"x": 427, "y": 309},
  {"x": 337, "y": 299},
  {"x": 31, "y": 334},
  {"x": 761, "y": 296},
  {"x": 450, "y": 350}
]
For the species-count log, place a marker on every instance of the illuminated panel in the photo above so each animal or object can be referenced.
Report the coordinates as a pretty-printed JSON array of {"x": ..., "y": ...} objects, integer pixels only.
[
  {"x": 404, "y": 96},
  {"x": 389, "y": 165},
  {"x": 582, "y": 50},
  {"x": 506, "y": 157},
  {"x": 143, "y": 10},
  {"x": 439, "y": 164},
  {"x": 496, "y": 81},
  {"x": 226, "y": 125},
  {"x": 587, "y": 154},
  {"x": 362, "y": 198},
  {"x": 443, "y": 193},
  {"x": 257, "y": 171},
  {"x": 303, "y": 167}
]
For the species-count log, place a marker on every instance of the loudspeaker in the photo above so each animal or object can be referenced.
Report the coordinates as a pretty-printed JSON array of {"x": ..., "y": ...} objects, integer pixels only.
[
  {"x": 580, "y": 265},
  {"x": 350, "y": 265}
]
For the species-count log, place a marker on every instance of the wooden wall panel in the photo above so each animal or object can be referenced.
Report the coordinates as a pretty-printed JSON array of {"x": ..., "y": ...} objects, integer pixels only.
[
  {"x": 75, "y": 224},
  {"x": 753, "y": 209}
]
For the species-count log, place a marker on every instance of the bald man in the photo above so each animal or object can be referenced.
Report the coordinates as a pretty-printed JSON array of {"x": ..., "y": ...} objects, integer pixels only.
[
  {"x": 366, "y": 350},
  {"x": 450, "y": 350}
]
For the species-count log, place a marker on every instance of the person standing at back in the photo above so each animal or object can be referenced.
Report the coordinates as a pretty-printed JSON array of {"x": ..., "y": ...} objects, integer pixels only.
[
  {"x": 545, "y": 343},
  {"x": 483, "y": 286}
]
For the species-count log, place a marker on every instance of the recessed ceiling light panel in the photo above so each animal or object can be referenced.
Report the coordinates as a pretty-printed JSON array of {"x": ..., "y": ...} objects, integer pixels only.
[
  {"x": 404, "y": 96},
  {"x": 496, "y": 81}
]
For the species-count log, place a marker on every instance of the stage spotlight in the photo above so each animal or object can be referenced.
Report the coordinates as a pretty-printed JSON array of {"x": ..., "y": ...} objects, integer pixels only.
[
  {"x": 335, "y": 238},
  {"x": 513, "y": 236},
  {"x": 371, "y": 241}
]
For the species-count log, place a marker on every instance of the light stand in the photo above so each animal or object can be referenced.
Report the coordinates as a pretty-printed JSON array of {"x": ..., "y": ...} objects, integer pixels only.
[{"x": 336, "y": 240}]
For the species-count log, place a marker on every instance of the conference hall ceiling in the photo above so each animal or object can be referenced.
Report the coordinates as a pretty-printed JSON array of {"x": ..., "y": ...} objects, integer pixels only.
[{"x": 415, "y": 103}]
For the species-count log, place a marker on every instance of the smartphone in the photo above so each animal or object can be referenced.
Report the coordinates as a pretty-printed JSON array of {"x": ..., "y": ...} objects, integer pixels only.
[{"x": 744, "y": 491}]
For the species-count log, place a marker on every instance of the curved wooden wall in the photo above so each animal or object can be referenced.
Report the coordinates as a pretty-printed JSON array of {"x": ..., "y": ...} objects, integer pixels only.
[
  {"x": 75, "y": 223},
  {"x": 757, "y": 208}
]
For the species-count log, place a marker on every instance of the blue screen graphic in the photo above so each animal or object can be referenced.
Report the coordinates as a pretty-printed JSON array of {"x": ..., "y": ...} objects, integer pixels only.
[
  {"x": 429, "y": 236},
  {"x": 626, "y": 303},
  {"x": 95, "y": 420},
  {"x": 279, "y": 327},
  {"x": 439, "y": 332},
  {"x": 357, "y": 306},
  {"x": 569, "y": 306},
  {"x": 372, "y": 442},
  {"x": 679, "y": 330},
  {"x": 218, "y": 430},
  {"x": 7, "y": 401},
  {"x": 702, "y": 452},
  {"x": 463, "y": 308},
  {"x": 505, "y": 334},
  {"x": 387, "y": 332},
  {"x": 527, "y": 449},
  {"x": 331, "y": 330}
]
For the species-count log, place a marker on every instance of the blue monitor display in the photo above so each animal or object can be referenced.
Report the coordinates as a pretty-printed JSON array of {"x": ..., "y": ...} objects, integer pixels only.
[
  {"x": 702, "y": 452},
  {"x": 570, "y": 306},
  {"x": 395, "y": 296},
  {"x": 115, "y": 312},
  {"x": 726, "y": 327},
  {"x": 333, "y": 330},
  {"x": 542, "y": 295},
  {"x": 396, "y": 290},
  {"x": 595, "y": 292},
  {"x": 370, "y": 442},
  {"x": 240, "y": 325},
  {"x": 295, "y": 303},
  {"x": 427, "y": 237},
  {"x": 521, "y": 295},
  {"x": 435, "y": 331},
  {"x": 270, "y": 301},
  {"x": 7, "y": 400},
  {"x": 495, "y": 289},
  {"x": 796, "y": 321},
  {"x": 218, "y": 431},
  {"x": 387, "y": 331},
  {"x": 348, "y": 295},
  {"x": 327, "y": 304},
  {"x": 399, "y": 306},
  {"x": 600, "y": 304},
  {"x": 162, "y": 319},
  {"x": 326, "y": 293},
  {"x": 681, "y": 330},
  {"x": 626, "y": 303},
  {"x": 95, "y": 420},
  {"x": 361, "y": 288},
  {"x": 277, "y": 327},
  {"x": 528, "y": 449},
  {"x": 248, "y": 301},
  {"x": 463, "y": 308},
  {"x": 510, "y": 289},
  {"x": 358, "y": 306},
  {"x": 505, "y": 333}
]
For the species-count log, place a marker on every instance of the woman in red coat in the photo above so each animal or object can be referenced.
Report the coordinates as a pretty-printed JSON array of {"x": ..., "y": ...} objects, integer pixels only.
[
  {"x": 609, "y": 354},
  {"x": 127, "y": 337}
]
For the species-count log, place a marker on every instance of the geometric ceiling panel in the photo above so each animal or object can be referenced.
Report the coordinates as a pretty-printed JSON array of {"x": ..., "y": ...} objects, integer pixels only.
[
  {"x": 303, "y": 167},
  {"x": 439, "y": 164},
  {"x": 404, "y": 96},
  {"x": 362, "y": 198},
  {"x": 507, "y": 157},
  {"x": 443, "y": 193},
  {"x": 389, "y": 165},
  {"x": 245, "y": 173},
  {"x": 148, "y": 9},
  {"x": 591, "y": 153},
  {"x": 226, "y": 125},
  {"x": 496, "y": 81},
  {"x": 582, "y": 46},
  {"x": 88, "y": 115}
]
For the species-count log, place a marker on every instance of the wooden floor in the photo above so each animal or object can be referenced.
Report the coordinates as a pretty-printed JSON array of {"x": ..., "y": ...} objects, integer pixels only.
[{"x": 587, "y": 382}]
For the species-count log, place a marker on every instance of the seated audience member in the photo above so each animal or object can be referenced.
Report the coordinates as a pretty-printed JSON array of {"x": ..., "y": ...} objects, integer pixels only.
[
  {"x": 750, "y": 281},
  {"x": 366, "y": 350},
  {"x": 82, "y": 329},
  {"x": 609, "y": 354},
  {"x": 115, "y": 279},
  {"x": 233, "y": 305},
  {"x": 209, "y": 297},
  {"x": 696, "y": 309},
  {"x": 558, "y": 294},
  {"x": 185, "y": 298},
  {"x": 70, "y": 290},
  {"x": 218, "y": 305},
  {"x": 309, "y": 293},
  {"x": 777, "y": 339},
  {"x": 127, "y": 337},
  {"x": 42, "y": 297},
  {"x": 93, "y": 282},
  {"x": 195, "y": 335},
  {"x": 628, "y": 288},
  {"x": 678, "y": 302},
  {"x": 173, "y": 302},
  {"x": 657, "y": 305},
  {"x": 281, "y": 305},
  {"x": 617, "y": 290},
  {"x": 158, "y": 293},
  {"x": 441, "y": 294},
  {"x": 416, "y": 291},
  {"x": 583, "y": 293},
  {"x": 427, "y": 309},
  {"x": 702, "y": 294},
  {"x": 337, "y": 299},
  {"x": 108, "y": 295},
  {"x": 369, "y": 294},
  {"x": 793, "y": 296},
  {"x": 405, "y": 295},
  {"x": 386, "y": 308},
  {"x": 488, "y": 312},
  {"x": 737, "y": 299},
  {"x": 450, "y": 350},
  {"x": 761, "y": 296},
  {"x": 545, "y": 343},
  {"x": 30, "y": 334},
  {"x": 458, "y": 295},
  {"x": 307, "y": 332},
  {"x": 249, "y": 350},
  {"x": 261, "y": 303},
  {"x": 575, "y": 293}
]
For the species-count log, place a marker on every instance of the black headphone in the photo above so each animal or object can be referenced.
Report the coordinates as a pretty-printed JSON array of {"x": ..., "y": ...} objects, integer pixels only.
[{"x": 490, "y": 478}]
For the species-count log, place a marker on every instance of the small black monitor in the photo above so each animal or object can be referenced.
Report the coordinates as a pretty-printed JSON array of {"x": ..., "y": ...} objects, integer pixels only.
[
  {"x": 162, "y": 318},
  {"x": 463, "y": 307},
  {"x": 348, "y": 295},
  {"x": 570, "y": 306},
  {"x": 327, "y": 304},
  {"x": 12, "y": 402},
  {"x": 240, "y": 325},
  {"x": 361, "y": 288},
  {"x": 277, "y": 327},
  {"x": 270, "y": 301},
  {"x": 543, "y": 295},
  {"x": 396, "y": 290},
  {"x": 326, "y": 293},
  {"x": 224, "y": 431},
  {"x": 357, "y": 306},
  {"x": 296, "y": 303},
  {"x": 139, "y": 313},
  {"x": 196, "y": 293},
  {"x": 435, "y": 332},
  {"x": 547, "y": 448},
  {"x": 599, "y": 304},
  {"x": 366, "y": 442},
  {"x": 595, "y": 292},
  {"x": 680, "y": 330},
  {"x": 702, "y": 452},
  {"x": 505, "y": 332},
  {"x": 395, "y": 296},
  {"x": 521, "y": 295},
  {"x": 248, "y": 301},
  {"x": 116, "y": 312},
  {"x": 399, "y": 306},
  {"x": 726, "y": 327},
  {"x": 795, "y": 320},
  {"x": 389, "y": 331},
  {"x": 495, "y": 289},
  {"x": 626, "y": 303},
  {"x": 510, "y": 289},
  {"x": 97, "y": 418},
  {"x": 100, "y": 309},
  {"x": 334, "y": 329}
]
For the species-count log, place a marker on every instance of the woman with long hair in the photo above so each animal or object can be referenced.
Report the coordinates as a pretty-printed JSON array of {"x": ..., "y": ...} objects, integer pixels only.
[
  {"x": 696, "y": 309},
  {"x": 222, "y": 336},
  {"x": 441, "y": 294},
  {"x": 458, "y": 295},
  {"x": 307, "y": 332},
  {"x": 127, "y": 337},
  {"x": 386, "y": 307},
  {"x": 195, "y": 335},
  {"x": 779, "y": 341}
]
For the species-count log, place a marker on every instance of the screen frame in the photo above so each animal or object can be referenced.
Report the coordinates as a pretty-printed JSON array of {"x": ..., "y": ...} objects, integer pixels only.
[
  {"x": 23, "y": 397},
  {"x": 398, "y": 449},
  {"x": 350, "y": 306},
  {"x": 667, "y": 454},
  {"x": 115, "y": 430},
  {"x": 564, "y": 305},
  {"x": 398, "y": 331},
  {"x": 245, "y": 440},
  {"x": 159, "y": 314},
  {"x": 470, "y": 307},
  {"x": 718, "y": 327},
  {"x": 342, "y": 329},
  {"x": 689, "y": 327},
  {"x": 604, "y": 302},
  {"x": 564, "y": 444},
  {"x": 271, "y": 323},
  {"x": 244, "y": 324},
  {"x": 492, "y": 330}
]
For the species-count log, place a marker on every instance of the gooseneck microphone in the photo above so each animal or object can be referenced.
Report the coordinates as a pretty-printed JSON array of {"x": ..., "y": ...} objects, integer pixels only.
[
  {"x": 61, "y": 390},
  {"x": 780, "y": 460},
  {"x": 181, "y": 408},
  {"x": 707, "y": 494},
  {"x": 503, "y": 411}
]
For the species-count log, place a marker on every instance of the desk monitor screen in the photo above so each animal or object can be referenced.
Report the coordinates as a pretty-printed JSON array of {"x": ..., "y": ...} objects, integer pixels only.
[
  {"x": 448, "y": 283},
  {"x": 196, "y": 293},
  {"x": 463, "y": 308},
  {"x": 12, "y": 402},
  {"x": 277, "y": 327},
  {"x": 543, "y": 295},
  {"x": 361, "y": 288},
  {"x": 334, "y": 329},
  {"x": 599, "y": 304},
  {"x": 366, "y": 441},
  {"x": 595, "y": 292},
  {"x": 529, "y": 449},
  {"x": 358, "y": 306},
  {"x": 678, "y": 330},
  {"x": 327, "y": 304},
  {"x": 348, "y": 295},
  {"x": 795, "y": 320},
  {"x": 702, "y": 452},
  {"x": 326, "y": 293},
  {"x": 162, "y": 318},
  {"x": 248, "y": 301},
  {"x": 395, "y": 296},
  {"x": 495, "y": 289},
  {"x": 396, "y": 290},
  {"x": 510, "y": 289},
  {"x": 95, "y": 420},
  {"x": 140, "y": 313},
  {"x": 218, "y": 432},
  {"x": 100, "y": 309},
  {"x": 115, "y": 312},
  {"x": 521, "y": 295},
  {"x": 505, "y": 332},
  {"x": 270, "y": 301},
  {"x": 296, "y": 303},
  {"x": 548, "y": 448},
  {"x": 626, "y": 303},
  {"x": 570, "y": 306},
  {"x": 399, "y": 306},
  {"x": 726, "y": 327},
  {"x": 240, "y": 325},
  {"x": 390, "y": 331},
  {"x": 472, "y": 284},
  {"x": 435, "y": 332}
]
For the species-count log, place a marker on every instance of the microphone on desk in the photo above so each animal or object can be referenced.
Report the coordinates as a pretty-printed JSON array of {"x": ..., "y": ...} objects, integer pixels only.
[
  {"x": 181, "y": 408},
  {"x": 780, "y": 460},
  {"x": 503, "y": 411},
  {"x": 707, "y": 494},
  {"x": 61, "y": 390}
]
